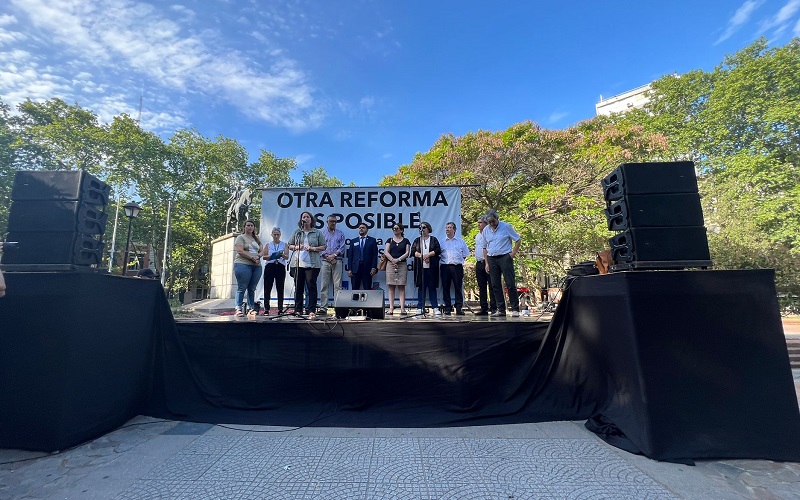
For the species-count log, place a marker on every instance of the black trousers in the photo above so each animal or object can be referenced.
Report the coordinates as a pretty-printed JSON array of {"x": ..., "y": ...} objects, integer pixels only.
[
  {"x": 274, "y": 274},
  {"x": 484, "y": 287},
  {"x": 503, "y": 266},
  {"x": 306, "y": 278},
  {"x": 362, "y": 280},
  {"x": 452, "y": 275}
]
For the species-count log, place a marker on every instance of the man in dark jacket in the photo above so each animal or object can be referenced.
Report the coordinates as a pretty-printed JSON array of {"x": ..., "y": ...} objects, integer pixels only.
[{"x": 362, "y": 259}]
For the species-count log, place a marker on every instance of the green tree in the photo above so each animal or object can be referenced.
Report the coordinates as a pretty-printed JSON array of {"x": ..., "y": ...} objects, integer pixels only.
[{"x": 740, "y": 123}]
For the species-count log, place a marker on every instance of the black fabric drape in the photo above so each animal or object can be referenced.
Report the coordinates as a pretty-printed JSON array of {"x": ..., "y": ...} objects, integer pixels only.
[
  {"x": 76, "y": 355},
  {"x": 672, "y": 364}
]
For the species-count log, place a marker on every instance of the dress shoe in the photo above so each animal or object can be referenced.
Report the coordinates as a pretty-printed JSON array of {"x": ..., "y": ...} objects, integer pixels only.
[{"x": 459, "y": 312}]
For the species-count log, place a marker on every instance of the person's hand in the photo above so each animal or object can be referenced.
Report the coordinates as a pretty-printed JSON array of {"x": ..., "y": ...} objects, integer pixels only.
[
  {"x": 2, "y": 285},
  {"x": 350, "y": 273},
  {"x": 373, "y": 271}
]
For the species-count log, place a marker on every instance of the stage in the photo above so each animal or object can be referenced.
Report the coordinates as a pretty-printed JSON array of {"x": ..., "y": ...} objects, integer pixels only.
[{"x": 650, "y": 358}]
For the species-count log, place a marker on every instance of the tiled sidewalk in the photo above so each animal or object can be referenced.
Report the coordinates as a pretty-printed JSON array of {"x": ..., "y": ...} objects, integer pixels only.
[{"x": 156, "y": 459}]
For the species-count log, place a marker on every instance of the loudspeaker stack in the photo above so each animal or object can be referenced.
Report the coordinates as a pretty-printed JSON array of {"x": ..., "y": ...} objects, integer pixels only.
[
  {"x": 656, "y": 209},
  {"x": 58, "y": 219}
]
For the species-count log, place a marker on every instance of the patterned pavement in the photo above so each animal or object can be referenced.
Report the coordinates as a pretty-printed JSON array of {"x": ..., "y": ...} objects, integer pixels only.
[{"x": 150, "y": 458}]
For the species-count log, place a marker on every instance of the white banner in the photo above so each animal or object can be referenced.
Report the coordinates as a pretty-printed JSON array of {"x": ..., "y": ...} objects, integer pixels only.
[{"x": 378, "y": 207}]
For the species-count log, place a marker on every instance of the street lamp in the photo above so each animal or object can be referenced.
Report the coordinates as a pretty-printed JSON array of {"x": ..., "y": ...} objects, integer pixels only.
[{"x": 131, "y": 212}]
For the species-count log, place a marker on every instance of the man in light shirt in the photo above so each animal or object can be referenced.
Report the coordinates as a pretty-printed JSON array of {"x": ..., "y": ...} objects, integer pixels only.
[
  {"x": 451, "y": 268},
  {"x": 332, "y": 256},
  {"x": 502, "y": 245},
  {"x": 482, "y": 275}
]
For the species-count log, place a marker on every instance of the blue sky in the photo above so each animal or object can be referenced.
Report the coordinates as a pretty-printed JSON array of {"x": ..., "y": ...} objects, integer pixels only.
[{"x": 358, "y": 87}]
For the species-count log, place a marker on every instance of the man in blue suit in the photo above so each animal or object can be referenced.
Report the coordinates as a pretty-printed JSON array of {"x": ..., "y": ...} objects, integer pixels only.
[{"x": 362, "y": 259}]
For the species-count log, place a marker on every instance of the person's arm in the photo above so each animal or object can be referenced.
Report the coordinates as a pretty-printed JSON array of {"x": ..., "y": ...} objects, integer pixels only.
[
  {"x": 406, "y": 253},
  {"x": 340, "y": 250},
  {"x": 515, "y": 251},
  {"x": 374, "y": 268},
  {"x": 245, "y": 254},
  {"x": 2, "y": 285}
]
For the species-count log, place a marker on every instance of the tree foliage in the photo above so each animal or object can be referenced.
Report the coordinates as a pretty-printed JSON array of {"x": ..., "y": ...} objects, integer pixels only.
[
  {"x": 740, "y": 123},
  {"x": 545, "y": 182},
  {"x": 195, "y": 174}
]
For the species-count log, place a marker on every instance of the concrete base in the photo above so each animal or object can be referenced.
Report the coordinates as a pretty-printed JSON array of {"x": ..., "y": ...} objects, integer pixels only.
[{"x": 211, "y": 306}]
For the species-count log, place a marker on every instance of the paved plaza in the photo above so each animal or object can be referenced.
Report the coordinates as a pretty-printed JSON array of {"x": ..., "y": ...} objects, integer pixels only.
[{"x": 152, "y": 458}]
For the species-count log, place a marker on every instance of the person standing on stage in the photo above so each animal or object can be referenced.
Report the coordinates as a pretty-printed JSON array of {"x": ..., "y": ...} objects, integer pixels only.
[
  {"x": 332, "y": 256},
  {"x": 306, "y": 242},
  {"x": 362, "y": 259},
  {"x": 451, "y": 267},
  {"x": 481, "y": 274},
  {"x": 397, "y": 250},
  {"x": 426, "y": 251},
  {"x": 502, "y": 245},
  {"x": 247, "y": 267},
  {"x": 275, "y": 253}
]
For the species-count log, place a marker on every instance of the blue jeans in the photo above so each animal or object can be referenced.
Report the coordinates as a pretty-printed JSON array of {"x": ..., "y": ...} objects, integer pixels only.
[{"x": 246, "y": 279}]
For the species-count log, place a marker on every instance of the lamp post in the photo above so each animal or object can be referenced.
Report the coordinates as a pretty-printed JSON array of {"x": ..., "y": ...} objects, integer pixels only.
[{"x": 131, "y": 212}]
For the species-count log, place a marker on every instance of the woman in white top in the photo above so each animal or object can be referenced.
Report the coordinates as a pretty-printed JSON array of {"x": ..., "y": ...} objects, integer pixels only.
[
  {"x": 275, "y": 253},
  {"x": 247, "y": 267}
]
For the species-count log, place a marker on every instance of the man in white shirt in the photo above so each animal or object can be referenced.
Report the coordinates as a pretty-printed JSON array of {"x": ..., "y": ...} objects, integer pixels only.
[
  {"x": 451, "y": 268},
  {"x": 502, "y": 245},
  {"x": 482, "y": 275}
]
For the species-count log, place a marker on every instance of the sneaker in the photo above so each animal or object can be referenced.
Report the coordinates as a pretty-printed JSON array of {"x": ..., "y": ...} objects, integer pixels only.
[
  {"x": 437, "y": 312},
  {"x": 311, "y": 315},
  {"x": 515, "y": 314},
  {"x": 499, "y": 314},
  {"x": 482, "y": 313},
  {"x": 239, "y": 312},
  {"x": 420, "y": 311}
]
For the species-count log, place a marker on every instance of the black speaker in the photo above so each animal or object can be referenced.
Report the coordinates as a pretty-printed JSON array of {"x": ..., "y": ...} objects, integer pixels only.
[
  {"x": 53, "y": 216},
  {"x": 75, "y": 185},
  {"x": 65, "y": 247},
  {"x": 367, "y": 303},
  {"x": 661, "y": 248},
  {"x": 649, "y": 178},
  {"x": 655, "y": 210}
]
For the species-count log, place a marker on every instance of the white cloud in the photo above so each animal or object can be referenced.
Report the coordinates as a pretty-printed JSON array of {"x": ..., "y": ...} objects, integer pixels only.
[
  {"x": 120, "y": 36},
  {"x": 303, "y": 158},
  {"x": 782, "y": 20},
  {"x": 557, "y": 116},
  {"x": 740, "y": 17},
  {"x": 796, "y": 30},
  {"x": 7, "y": 19}
]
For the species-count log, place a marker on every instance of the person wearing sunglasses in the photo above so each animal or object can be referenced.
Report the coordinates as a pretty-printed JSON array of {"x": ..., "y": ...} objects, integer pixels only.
[
  {"x": 397, "y": 250},
  {"x": 426, "y": 251}
]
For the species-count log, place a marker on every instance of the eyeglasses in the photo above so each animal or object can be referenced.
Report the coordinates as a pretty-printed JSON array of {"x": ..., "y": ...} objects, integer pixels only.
[{"x": 276, "y": 229}]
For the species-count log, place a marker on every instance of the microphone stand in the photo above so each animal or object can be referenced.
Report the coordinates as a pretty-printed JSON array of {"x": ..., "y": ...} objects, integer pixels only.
[
  {"x": 297, "y": 239},
  {"x": 424, "y": 312}
]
